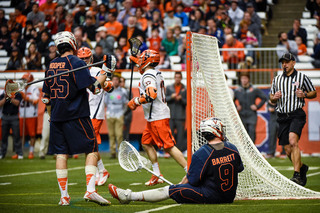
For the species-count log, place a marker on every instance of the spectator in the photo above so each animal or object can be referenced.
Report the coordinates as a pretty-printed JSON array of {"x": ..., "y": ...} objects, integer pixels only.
[
  {"x": 196, "y": 20},
  {"x": 225, "y": 20},
  {"x": 102, "y": 15},
  {"x": 139, "y": 3},
  {"x": 28, "y": 112},
  {"x": 48, "y": 8},
  {"x": 3, "y": 20},
  {"x": 105, "y": 40},
  {"x": 57, "y": 19},
  {"x": 131, "y": 30},
  {"x": 253, "y": 27},
  {"x": 15, "y": 41},
  {"x": 126, "y": 13},
  {"x": 94, "y": 8},
  {"x": 227, "y": 31},
  {"x": 82, "y": 40},
  {"x": 233, "y": 57},
  {"x": 43, "y": 45},
  {"x": 164, "y": 62},
  {"x": 26, "y": 7},
  {"x": 182, "y": 49},
  {"x": 4, "y": 35},
  {"x": 247, "y": 38},
  {"x": 45, "y": 135},
  {"x": 297, "y": 30},
  {"x": 286, "y": 45},
  {"x": 114, "y": 27},
  {"x": 141, "y": 20},
  {"x": 246, "y": 96},
  {"x": 29, "y": 32},
  {"x": 171, "y": 21},
  {"x": 13, "y": 24},
  {"x": 316, "y": 52},
  {"x": 212, "y": 10},
  {"x": 20, "y": 18},
  {"x": 213, "y": 30},
  {"x": 114, "y": 6},
  {"x": 98, "y": 54},
  {"x": 10, "y": 121},
  {"x": 144, "y": 45},
  {"x": 236, "y": 14},
  {"x": 121, "y": 58},
  {"x": 51, "y": 54},
  {"x": 123, "y": 44},
  {"x": 155, "y": 40},
  {"x": 177, "y": 34},
  {"x": 41, "y": 29},
  {"x": 255, "y": 19},
  {"x": 152, "y": 8},
  {"x": 89, "y": 28},
  {"x": 15, "y": 61},
  {"x": 314, "y": 7},
  {"x": 156, "y": 22},
  {"x": 302, "y": 48},
  {"x": 35, "y": 15},
  {"x": 68, "y": 25},
  {"x": 116, "y": 105},
  {"x": 33, "y": 58},
  {"x": 170, "y": 43},
  {"x": 176, "y": 97},
  {"x": 182, "y": 15},
  {"x": 80, "y": 16}
]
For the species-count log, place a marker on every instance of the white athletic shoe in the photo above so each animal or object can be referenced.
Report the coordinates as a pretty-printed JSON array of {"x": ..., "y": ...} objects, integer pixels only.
[
  {"x": 120, "y": 194},
  {"x": 64, "y": 201},
  {"x": 103, "y": 178},
  {"x": 95, "y": 197}
]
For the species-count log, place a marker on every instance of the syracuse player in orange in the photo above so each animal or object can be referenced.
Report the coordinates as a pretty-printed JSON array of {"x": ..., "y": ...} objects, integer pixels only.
[
  {"x": 97, "y": 112},
  {"x": 28, "y": 112},
  {"x": 156, "y": 112}
]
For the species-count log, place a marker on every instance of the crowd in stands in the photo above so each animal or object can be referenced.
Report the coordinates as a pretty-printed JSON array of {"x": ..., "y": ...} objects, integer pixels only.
[{"x": 106, "y": 25}]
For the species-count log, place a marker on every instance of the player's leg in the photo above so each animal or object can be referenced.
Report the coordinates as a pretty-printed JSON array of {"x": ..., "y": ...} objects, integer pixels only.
[
  {"x": 15, "y": 126},
  {"x": 112, "y": 142},
  {"x": 31, "y": 127},
  {"x": 62, "y": 177},
  {"x": 153, "y": 195},
  {"x": 44, "y": 135},
  {"x": 178, "y": 156},
  {"x": 181, "y": 140},
  {"x": 119, "y": 130},
  {"x": 5, "y": 134}
]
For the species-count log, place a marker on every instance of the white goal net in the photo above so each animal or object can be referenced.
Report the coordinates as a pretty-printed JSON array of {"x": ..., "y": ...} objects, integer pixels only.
[{"x": 210, "y": 97}]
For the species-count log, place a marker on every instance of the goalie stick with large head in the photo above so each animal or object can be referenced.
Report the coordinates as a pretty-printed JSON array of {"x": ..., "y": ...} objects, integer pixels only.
[
  {"x": 12, "y": 87},
  {"x": 131, "y": 161}
]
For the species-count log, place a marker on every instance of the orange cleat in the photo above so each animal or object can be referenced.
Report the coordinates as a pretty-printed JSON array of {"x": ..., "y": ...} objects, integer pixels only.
[{"x": 30, "y": 155}]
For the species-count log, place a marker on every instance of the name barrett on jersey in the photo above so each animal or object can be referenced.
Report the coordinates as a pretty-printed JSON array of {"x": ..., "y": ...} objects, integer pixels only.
[{"x": 222, "y": 160}]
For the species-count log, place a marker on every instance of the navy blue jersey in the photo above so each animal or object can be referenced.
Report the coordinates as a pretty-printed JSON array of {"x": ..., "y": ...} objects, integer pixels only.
[
  {"x": 216, "y": 171},
  {"x": 68, "y": 95}
]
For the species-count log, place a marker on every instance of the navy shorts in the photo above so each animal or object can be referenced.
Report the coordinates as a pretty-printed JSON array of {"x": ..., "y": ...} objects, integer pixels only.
[
  {"x": 290, "y": 122},
  {"x": 186, "y": 193},
  {"x": 72, "y": 137}
]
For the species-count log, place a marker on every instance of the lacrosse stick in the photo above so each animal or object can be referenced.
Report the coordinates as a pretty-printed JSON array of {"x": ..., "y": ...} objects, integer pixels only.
[
  {"x": 131, "y": 161},
  {"x": 12, "y": 87},
  {"x": 135, "y": 45}
]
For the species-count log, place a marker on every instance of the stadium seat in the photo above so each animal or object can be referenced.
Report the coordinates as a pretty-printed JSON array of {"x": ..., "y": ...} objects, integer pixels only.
[
  {"x": 175, "y": 62},
  {"x": 304, "y": 65},
  {"x": 3, "y": 53},
  {"x": 4, "y": 60},
  {"x": 4, "y": 3},
  {"x": 309, "y": 21},
  {"x": 306, "y": 14},
  {"x": 8, "y": 10},
  {"x": 310, "y": 50},
  {"x": 305, "y": 58},
  {"x": 93, "y": 44}
]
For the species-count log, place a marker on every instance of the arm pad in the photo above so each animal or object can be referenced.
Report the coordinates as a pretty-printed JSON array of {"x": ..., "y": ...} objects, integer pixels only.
[
  {"x": 95, "y": 87},
  {"x": 151, "y": 94}
]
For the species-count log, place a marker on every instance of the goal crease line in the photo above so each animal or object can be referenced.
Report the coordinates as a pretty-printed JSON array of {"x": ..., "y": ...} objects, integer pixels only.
[{"x": 160, "y": 208}]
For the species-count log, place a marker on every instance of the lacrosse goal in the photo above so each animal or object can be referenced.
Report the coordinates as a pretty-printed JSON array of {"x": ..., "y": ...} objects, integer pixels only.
[{"x": 208, "y": 95}]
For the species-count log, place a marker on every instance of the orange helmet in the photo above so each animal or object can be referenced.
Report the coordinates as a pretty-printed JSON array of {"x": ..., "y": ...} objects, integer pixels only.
[
  {"x": 28, "y": 77},
  {"x": 85, "y": 53},
  {"x": 147, "y": 58}
]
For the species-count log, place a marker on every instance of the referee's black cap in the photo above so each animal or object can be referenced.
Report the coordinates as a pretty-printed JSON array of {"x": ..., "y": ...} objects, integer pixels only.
[{"x": 287, "y": 57}]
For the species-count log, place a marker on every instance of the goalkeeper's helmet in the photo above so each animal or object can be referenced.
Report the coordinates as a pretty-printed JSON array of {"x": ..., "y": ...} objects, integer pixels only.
[
  {"x": 65, "y": 39},
  {"x": 212, "y": 127},
  {"x": 85, "y": 54},
  {"x": 28, "y": 77},
  {"x": 147, "y": 58}
]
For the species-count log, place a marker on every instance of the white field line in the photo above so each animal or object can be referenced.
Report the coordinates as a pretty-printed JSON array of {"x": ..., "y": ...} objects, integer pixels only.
[
  {"x": 160, "y": 208},
  {"x": 48, "y": 171}
]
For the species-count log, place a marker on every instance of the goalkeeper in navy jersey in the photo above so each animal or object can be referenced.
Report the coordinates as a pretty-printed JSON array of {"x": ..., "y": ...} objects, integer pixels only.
[{"x": 212, "y": 177}]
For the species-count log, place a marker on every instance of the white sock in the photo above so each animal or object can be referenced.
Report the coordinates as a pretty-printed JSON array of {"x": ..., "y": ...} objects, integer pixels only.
[
  {"x": 31, "y": 149},
  {"x": 155, "y": 195},
  {"x": 156, "y": 168},
  {"x": 186, "y": 169},
  {"x": 91, "y": 178},
  {"x": 97, "y": 174},
  {"x": 100, "y": 166},
  {"x": 62, "y": 176}
]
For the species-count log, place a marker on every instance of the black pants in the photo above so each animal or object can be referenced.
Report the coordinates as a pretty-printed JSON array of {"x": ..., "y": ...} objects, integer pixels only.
[{"x": 11, "y": 122}]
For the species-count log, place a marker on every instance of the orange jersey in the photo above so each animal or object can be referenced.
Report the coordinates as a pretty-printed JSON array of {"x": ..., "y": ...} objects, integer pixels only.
[
  {"x": 239, "y": 55},
  {"x": 48, "y": 9},
  {"x": 143, "y": 22},
  {"x": 21, "y": 19},
  {"x": 302, "y": 49},
  {"x": 30, "y": 127},
  {"x": 155, "y": 43},
  {"x": 114, "y": 28},
  {"x": 158, "y": 133}
]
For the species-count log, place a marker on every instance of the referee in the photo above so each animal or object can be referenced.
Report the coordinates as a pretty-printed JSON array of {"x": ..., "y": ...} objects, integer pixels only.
[{"x": 288, "y": 91}]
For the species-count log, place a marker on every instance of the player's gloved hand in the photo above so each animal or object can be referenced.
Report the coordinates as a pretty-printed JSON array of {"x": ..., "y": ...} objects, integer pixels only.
[
  {"x": 28, "y": 99},
  {"x": 134, "y": 59},
  {"x": 135, "y": 102},
  {"x": 109, "y": 64},
  {"x": 151, "y": 94},
  {"x": 108, "y": 86}
]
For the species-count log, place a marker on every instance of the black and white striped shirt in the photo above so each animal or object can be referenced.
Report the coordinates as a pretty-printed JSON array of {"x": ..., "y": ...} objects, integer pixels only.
[{"x": 289, "y": 101}]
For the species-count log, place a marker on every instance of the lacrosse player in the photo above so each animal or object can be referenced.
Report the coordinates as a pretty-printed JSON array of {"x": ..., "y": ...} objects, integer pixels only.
[
  {"x": 97, "y": 113},
  {"x": 156, "y": 112},
  {"x": 71, "y": 130},
  {"x": 212, "y": 176}
]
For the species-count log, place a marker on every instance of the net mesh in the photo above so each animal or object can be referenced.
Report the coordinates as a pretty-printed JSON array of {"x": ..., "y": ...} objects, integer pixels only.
[
  {"x": 13, "y": 87},
  {"x": 129, "y": 158},
  {"x": 211, "y": 97}
]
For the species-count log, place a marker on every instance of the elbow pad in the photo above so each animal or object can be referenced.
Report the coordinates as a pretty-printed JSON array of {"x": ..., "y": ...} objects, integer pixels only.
[
  {"x": 95, "y": 87},
  {"x": 151, "y": 94}
]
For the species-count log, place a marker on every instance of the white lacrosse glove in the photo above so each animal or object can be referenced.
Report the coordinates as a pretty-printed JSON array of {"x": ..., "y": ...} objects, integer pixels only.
[{"x": 109, "y": 66}]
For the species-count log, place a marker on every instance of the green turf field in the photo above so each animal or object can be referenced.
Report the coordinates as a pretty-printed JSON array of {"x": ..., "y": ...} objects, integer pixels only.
[{"x": 31, "y": 186}]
